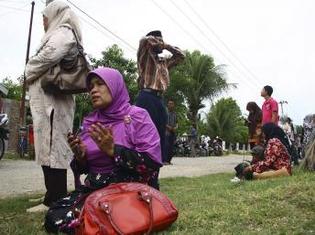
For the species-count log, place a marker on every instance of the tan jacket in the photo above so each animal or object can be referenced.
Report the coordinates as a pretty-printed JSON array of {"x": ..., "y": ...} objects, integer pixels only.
[{"x": 51, "y": 147}]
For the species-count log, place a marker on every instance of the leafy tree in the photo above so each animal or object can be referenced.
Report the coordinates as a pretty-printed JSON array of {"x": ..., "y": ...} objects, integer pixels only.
[
  {"x": 225, "y": 120},
  {"x": 196, "y": 80},
  {"x": 14, "y": 88},
  {"x": 183, "y": 122},
  {"x": 82, "y": 108},
  {"x": 202, "y": 128},
  {"x": 113, "y": 57}
]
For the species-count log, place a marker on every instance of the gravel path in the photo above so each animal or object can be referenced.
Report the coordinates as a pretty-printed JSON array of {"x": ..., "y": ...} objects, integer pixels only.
[{"x": 25, "y": 177}]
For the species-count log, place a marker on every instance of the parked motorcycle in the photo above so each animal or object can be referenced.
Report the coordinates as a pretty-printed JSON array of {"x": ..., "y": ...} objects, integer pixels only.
[
  {"x": 215, "y": 147},
  {"x": 202, "y": 150},
  {"x": 182, "y": 148},
  {"x": 4, "y": 120}
]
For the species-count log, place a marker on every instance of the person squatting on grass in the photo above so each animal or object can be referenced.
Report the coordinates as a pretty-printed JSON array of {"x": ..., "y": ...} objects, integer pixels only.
[{"x": 118, "y": 143}]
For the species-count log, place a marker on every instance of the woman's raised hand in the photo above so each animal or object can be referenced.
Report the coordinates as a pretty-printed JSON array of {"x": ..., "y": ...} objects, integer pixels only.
[
  {"x": 77, "y": 146},
  {"x": 103, "y": 137}
]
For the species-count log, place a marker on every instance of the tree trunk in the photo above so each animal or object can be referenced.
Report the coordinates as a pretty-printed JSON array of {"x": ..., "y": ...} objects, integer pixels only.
[{"x": 193, "y": 116}]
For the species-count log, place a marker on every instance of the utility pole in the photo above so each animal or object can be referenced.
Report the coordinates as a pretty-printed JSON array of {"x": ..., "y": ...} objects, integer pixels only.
[
  {"x": 22, "y": 108},
  {"x": 282, "y": 102}
]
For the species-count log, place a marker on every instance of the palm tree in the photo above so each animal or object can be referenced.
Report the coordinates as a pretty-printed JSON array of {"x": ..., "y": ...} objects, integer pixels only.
[
  {"x": 196, "y": 80},
  {"x": 82, "y": 108},
  {"x": 225, "y": 120}
]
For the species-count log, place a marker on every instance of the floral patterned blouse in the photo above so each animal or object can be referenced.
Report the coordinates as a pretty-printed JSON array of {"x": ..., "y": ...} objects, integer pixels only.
[
  {"x": 276, "y": 157},
  {"x": 132, "y": 166}
]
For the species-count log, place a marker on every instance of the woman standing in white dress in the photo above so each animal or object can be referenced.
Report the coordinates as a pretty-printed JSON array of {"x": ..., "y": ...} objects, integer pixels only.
[{"x": 52, "y": 114}]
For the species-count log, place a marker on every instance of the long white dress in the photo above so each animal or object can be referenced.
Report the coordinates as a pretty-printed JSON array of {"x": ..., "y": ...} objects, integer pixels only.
[{"x": 52, "y": 115}]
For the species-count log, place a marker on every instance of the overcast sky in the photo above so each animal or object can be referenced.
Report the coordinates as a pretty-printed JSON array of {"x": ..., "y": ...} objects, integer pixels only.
[{"x": 272, "y": 41}]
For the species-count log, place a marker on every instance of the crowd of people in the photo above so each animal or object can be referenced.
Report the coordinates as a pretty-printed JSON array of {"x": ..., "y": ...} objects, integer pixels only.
[
  {"x": 275, "y": 147},
  {"x": 118, "y": 141}
]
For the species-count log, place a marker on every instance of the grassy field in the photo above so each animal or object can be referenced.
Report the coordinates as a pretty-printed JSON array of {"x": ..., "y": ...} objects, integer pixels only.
[
  {"x": 11, "y": 156},
  {"x": 212, "y": 205}
]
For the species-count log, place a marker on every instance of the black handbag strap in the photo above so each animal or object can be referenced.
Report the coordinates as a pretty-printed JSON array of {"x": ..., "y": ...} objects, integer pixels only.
[
  {"x": 81, "y": 49},
  {"x": 79, "y": 45}
]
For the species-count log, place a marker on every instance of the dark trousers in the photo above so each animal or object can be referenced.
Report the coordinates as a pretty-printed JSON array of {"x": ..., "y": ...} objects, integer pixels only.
[
  {"x": 294, "y": 155},
  {"x": 157, "y": 111},
  {"x": 56, "y": 184},
  {"x": 170, "y": 141}
]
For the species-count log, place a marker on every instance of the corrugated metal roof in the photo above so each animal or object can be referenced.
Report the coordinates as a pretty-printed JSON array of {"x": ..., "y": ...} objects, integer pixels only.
[{"x": 3, "y": 89}]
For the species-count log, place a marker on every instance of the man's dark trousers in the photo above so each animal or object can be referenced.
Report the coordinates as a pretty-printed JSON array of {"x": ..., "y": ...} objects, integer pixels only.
[{"x": 153, "y": 103}]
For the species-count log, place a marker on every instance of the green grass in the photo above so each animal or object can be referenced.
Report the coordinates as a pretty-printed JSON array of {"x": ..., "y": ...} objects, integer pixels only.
[
  {"x": 15, "y": 156},
  {"x": 239, "y": 152},
  {"x": 212, "y": 205},
  {"x": 15, "y": 220},
  {"x": 11, "y": 156}
]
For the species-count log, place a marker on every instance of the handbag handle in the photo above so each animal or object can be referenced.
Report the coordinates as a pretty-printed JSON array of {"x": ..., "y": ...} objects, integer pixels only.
[
  {"x": 81, "y": 50},
  {"x": 145, "y": 196},
  {"x": 79, "y": 46}
]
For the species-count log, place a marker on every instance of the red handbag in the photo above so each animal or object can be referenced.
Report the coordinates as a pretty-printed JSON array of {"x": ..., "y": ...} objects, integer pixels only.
[{"x": 126, "y": 208}]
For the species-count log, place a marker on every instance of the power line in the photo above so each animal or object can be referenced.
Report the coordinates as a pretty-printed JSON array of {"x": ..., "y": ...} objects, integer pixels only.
[
  {"x": 15, "y": 1},
  {"x": 220, "y": 40},
  {"x": 178, "y": 24},
  {"x": 206, "y": 36},
  {"x": 181, "y": 27},
  {"x": 189, "y": 34},
  {"x": 18, "y": 9},
  {"x": 13, "y": 8},
  {"x": 108, "y": 36},
  {"x": 93, "y": 26},
  {"x": 104, "y": 27},
  {"x": 103, "y": 33}
]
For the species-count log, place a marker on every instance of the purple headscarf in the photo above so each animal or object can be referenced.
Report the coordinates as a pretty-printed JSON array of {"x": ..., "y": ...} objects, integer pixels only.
[
  {"x": 132, "y": 126},
  {"x": 120, "y": 107}
]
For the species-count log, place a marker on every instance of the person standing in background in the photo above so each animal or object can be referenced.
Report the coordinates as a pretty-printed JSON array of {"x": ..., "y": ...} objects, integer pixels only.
[
  {"x": 308, "y": 129},
  {"x": 193, "y": 139},
  {"x": 154, "y": 79},
  {"x": 253, "y": 123},
  {"x": 288, "y": 129},
  {"x": 270, "y": 110},
  {"x": 171, "y": 128}
]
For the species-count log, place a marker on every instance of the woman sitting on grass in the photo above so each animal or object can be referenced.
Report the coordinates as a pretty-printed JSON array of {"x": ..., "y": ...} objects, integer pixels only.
[
  {"x": 118, "y": 143},
  {"x": 276, "y": 160}
]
